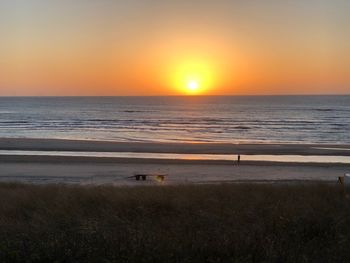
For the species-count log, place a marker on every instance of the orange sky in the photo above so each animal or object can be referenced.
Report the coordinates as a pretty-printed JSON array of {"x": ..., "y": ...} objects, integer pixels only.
[{"x": 153, "y": 47}]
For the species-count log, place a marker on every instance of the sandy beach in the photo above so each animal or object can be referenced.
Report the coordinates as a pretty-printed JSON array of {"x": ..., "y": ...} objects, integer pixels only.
[{"x": 99, "y": 170}]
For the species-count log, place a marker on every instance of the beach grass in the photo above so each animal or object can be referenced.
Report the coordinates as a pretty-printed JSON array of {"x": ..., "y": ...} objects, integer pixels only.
[{"x": 187, "y": 223}]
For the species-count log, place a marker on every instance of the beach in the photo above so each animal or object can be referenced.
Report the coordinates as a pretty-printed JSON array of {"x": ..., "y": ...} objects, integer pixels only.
[
  {"x": 119, "y": 171},
  {"x": 106, "y": 140}
]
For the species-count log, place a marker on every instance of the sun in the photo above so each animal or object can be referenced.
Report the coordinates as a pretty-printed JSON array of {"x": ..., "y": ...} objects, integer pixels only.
[
  {"x": 192, "y": 77},
  {"x": 193, "y": 86}
]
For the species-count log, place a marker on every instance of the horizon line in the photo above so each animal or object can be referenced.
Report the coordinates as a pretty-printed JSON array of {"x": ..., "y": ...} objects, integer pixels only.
[{"x": 214, "y": 95}]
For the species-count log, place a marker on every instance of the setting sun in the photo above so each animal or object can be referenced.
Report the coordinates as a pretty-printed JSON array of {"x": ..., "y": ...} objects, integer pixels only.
[
  {"x": 192, "y": 86},
  {"x": 193, "y": 77}
]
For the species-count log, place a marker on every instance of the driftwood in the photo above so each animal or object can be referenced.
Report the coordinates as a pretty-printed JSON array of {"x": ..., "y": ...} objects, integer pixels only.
[{"x": 159, "y": 177}]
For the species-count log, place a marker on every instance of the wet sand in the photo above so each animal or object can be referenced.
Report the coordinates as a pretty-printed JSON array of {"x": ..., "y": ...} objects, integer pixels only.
[
  {"x": 192, "y": 148},
  {"x": 98, "y": 170}
]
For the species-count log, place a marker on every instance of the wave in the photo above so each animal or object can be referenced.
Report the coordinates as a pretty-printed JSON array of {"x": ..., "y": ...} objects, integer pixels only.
[
  {"x": 132, "y": 111},
  {"x": 325, "y": 110},
  {"x": 14, "y": 122},
  {"x": 242, "y": 128}
]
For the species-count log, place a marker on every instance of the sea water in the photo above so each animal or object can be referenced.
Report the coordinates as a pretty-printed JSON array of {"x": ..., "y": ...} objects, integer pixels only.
[{"x": 253, "y": 119}]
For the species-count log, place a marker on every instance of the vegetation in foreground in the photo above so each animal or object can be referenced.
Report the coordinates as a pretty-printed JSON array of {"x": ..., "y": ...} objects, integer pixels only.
[{"x": 216, "y": 223}]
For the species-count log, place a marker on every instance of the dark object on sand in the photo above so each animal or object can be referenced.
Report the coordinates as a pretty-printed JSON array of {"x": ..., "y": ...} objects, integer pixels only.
[
  {"x": 238, "y": 158},
  {"x": 344, "y": 180},
  {"x": 159, "y": 177}
]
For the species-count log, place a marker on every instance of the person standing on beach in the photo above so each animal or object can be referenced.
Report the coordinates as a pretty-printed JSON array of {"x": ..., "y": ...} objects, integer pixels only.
[{"x": 238, "y": 159}]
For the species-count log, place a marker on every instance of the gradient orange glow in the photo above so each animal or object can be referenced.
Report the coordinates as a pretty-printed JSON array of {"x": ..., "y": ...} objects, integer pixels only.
[
  {"x": 174, "y": 47},
  {"x": 193, "y": 77}
]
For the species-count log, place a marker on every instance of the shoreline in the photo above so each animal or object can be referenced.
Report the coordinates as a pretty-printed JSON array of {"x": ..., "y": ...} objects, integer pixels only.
[
  {"x": 190, "y": 148},
  {"x": 39, "y": 159}
]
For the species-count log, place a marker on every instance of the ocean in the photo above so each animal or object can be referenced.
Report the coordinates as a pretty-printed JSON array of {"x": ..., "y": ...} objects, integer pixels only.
[{"x": 233, "y": 119}]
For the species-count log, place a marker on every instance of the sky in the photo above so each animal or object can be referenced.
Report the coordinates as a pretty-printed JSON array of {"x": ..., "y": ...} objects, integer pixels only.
[{"x": 168, "y": 47}]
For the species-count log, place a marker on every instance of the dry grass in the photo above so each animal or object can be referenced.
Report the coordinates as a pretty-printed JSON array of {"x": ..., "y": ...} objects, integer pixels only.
[{"x": 217, "y": 223}]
